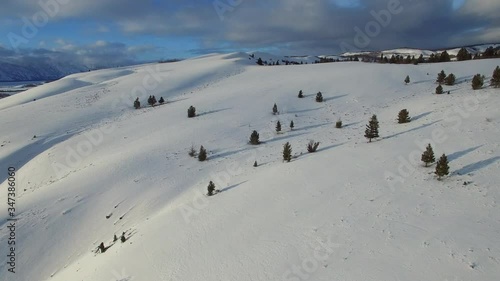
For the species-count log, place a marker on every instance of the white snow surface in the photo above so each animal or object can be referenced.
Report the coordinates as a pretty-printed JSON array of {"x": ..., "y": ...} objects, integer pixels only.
[{"x": 353, "y": 211}]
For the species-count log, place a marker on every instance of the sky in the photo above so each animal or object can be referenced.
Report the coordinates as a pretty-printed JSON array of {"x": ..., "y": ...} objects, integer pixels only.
[{"x": 119, "y": 32}]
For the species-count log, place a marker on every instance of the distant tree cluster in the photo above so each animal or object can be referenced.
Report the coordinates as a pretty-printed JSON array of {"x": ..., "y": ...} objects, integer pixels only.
[{"x": 151, "y": 101}]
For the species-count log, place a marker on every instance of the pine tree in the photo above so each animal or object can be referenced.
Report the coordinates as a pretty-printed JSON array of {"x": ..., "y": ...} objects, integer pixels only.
[
  {"x": 153, "y": 100},
  {"x": 192, "y": 151},
  {"x": 278, "y": 127},
  {"x": 122, "y": 238},
  {"x": 428, "y": 156},
  {"x": 450, "y": 80},
  {"x": 202, "y": 155},
  {"x": 254, "y": 138},
  {"x": 150, "y": 100},
  {"x": 404, "y": 116},
  {"x": 319, "y": 97},
  {"x": 260, "y": 62},
  {"x": 275, "y": 109},
  {"x": 211, "y": 188},
  {"x": 161, "y": 101},
  {"x": 495, "y": 79},
  {"x": 287, "y": 152},
  {"x": 312, "y": 146},
  {"x": 441, "y": 77},
  {"x": 137, "y": 104},
  {"x": 445, "y": 57},
  {"x": 292, "y": 125},
  {"x": 191, "y": 112},
  {"x": 338, "y": 125},
  {"x": 477, "y": 82},
  {"x": 407, "y": 80},
  {"x": 442, "y": 168},
  {"x": 463, "y": 54},
  {"x": 439, "y": 90},
  {"x": 255, "y": 164},
  {"x": 102, "y": 248},
  {"x": 371, "y": 131},
  {"x": 301, "y": 94}
]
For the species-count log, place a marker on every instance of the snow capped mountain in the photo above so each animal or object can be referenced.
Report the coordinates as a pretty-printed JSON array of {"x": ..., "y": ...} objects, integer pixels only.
[{"x": 88, "y": 166}]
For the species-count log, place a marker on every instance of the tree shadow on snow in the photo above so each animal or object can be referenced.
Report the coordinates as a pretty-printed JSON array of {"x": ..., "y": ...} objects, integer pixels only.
[
  {"x": 477, "y": 166},
  {"x": 212, "y": 112},
  {"x": 312, "y": 127},
  {"x": 334, "y": 98},
  {"x": 284, "y": 137},
  {"x": 302, "y": 111},
  {"x": 458, "y": 154},
  {"x": 232, "y": 186},
  {"x": 420, "y": 116},
  {"x": 411, "y": 130}
]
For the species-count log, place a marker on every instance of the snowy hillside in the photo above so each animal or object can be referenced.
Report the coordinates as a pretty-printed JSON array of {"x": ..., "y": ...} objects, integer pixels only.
[{"x": 89, "y": 166}]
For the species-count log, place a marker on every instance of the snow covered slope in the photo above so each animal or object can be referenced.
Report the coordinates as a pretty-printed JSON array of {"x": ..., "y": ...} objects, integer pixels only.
[{"x": 352, "y": 211}]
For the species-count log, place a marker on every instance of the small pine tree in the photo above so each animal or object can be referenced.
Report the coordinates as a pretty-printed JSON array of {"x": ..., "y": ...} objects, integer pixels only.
[
  {"x": 450, "y": 80},
  {"x": 192, "y": 151},
  {"x": 428, "y": 156},
  {"x": 439, "y": 90},
  {"x": 115, "y": 238},
  {"x": 102, "y": 248},
  {"x": 477, "y": 82},
  {"x": 122, "y": 238},
  {"x": 137, "y": 104},
  {"x": 191, "y": 112},
  {"x": 319, "y": 97},
  {"x": 441, "y": 77},
  {"x": 312, "y": 146},
  {"x": 254, "y": 138},
  {"x": 255, "y": 164},
  {"x": 338, "y": 125},
  {"x": 211, "y": 188},
  {"x": 275, "y": 109},
  {"x": 202, "y": 155},
  {"x": 407, "y": 80},
  {"x": 292, "y": 125},
  {"x": 404, "y": 117},
  {"x": 442, "y": 168},
  {"x": 495, "y": 79},
  {"x": 161, "y": 101},
  {"x": 287, "y": 152},
  {"x": 278, "y": 127},
  {"x": 371, "y": 131},
  {"x": 301, "y": 94},
  {"x": 260, "y": 62},
  {"x": 153, "y": 100}
]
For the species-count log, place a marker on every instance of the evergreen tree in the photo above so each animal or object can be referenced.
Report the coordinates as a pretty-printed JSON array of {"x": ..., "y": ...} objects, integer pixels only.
[
  {"x": 439, "y": 90},
  {"x": 278, "y": 127},
  {"x": 441, "y": 77},
  {"x": 477, "y": 82},
  {"x": 254, "y": 138},
  {"x": 312, "y": 146},
  {"x": 191, "y": 112},
  {"x": 153, "y": 100},
  {"x": 275, "y": 109},
  {"x": 260, "y": 62},
  {"x": 202, "y": 155},
  {"x": 428, "y": 156},
  {"x": 122, "y": 238},
  {"x": 404, "y": 116},
  {"x": 319, "y": 97},
  {"x": 287, "y": 152},
  {"x": 445, "y": 57},
  {"x": 489, "y": 53},
  {"x": 192, "y": 151},
  {"x": 442, "y": 168},
  {"x": 102, "y": 248},
  {"x": 421, "y": 59},
  {"x": 338, "y": 125},
  {"x": 371, "y": 131},
  {"x": 115, "y": 238},
  {"x": 161, "y": 101},
  {"x": 150, "y": 100},
  {"x": 255, "y": 164},
  {"x": 407, "y": 80},
  {"x": 450, "y": 80},
  {"x": 463, "y": 54},
  {"x": 292, "y": 125},
  {"x": 137, "y": 104},
  {"x": 301, "y": 94},
  {"x": 211, "y": 188},
  {"x": 495, "y": 79}
]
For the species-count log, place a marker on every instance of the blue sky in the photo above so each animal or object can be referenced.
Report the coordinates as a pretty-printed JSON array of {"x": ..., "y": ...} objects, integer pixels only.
[{"x": 122, "y": 31}]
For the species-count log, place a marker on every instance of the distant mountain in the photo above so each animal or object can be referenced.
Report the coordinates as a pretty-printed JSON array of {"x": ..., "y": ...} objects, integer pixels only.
[{"x": 35, "y": 69}]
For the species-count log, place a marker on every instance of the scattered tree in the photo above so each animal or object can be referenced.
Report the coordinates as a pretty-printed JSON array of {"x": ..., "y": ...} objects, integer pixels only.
[
  {"x": 441, "y": 77},
  {"x": 404, "y": 116},
  {"x": 260, "y": 62},
  {"x": 338, "y": 125},
  {"x": 312, "y": 146},
  {"x": 254, "y": 138},
  {"x": 255, "y": 164},
  {"x": 445, "y": 57},
  {"x": 102, "y": 248},
  {"x": 191, "y": 112},
  {"x": 122, "y": 238},
  {"x": 202, "y": 155},
  {"x": 371, "y": 131},
  {"x": 463, "y": 54},
  {"x": 477, "y": 82},
  {"x": 211, "y": 188},
  {"x": 152, "y": 100},
  {"x": 287, "y": 152},
  {"x": 495, "y": 79},
  {"x": 319, "y": 97},
  {"x": 301, "y": 94},
  {"x": 407, "y": 80},
  {"x": 161, "y": 101},
  {"x": 428, "y": 156},
  {"x": 115, "y": 238},
  {"x": 442, "y": 168},
  {"x": 450, "y": 80},
  {"x": 137, "y": 104},
  {"x": 192, "y": 151},
  {"x": 292, "y": 125},
  {"x": 275, "y": 109},
  {"x": 278, "y": 127},
  {"x": 439, "y": 90}
]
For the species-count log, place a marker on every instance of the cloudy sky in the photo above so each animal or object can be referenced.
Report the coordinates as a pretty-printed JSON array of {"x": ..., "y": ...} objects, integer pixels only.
[{"x": 121, "y": 31}]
